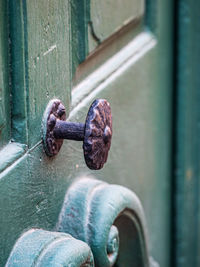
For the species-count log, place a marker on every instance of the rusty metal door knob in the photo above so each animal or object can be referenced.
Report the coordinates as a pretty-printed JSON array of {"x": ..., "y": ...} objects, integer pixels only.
[{"x": 96, "y": 133}]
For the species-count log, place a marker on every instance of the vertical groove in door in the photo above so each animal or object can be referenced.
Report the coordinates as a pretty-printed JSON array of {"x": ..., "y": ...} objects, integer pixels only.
[
  {"x": 80, "y": 17},
  {"x": 18, "y": 75},
  {"x": 174, "y": 128},
  {"x": 5, "y": 124},
  {"x": 186, "y": 172}
]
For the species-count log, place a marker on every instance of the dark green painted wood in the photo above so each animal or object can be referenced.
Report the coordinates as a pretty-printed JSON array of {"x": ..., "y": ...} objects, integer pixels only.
[
  {"x": 10, "y": 153},
  {"x": 4, "y": 76},
  {"x": 187, "y": 162},
  {"x": 80, "y": 17},
  {"x": 139, "y": 86},
  {"x": 32, "y": 191},
  {"x": 18, "y": 59},
  {"x": 40, "y": 62}
]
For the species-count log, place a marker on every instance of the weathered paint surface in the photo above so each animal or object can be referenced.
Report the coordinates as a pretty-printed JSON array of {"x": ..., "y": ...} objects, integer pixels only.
[
  {"x": 186, "y": 235},
  {"x": 33, "y": 187},
  {"x": 140, "y": 151},
  {"x": 44, "y": 248},
  {"x": 93, "y": 28},
  {"x": 110, "y": 218},
  {"x": 108, "y": 16},
  {"x": 40, "y": 62},
  {"x": 5, "y": 123},
  {"x": 10, "y": 153}
]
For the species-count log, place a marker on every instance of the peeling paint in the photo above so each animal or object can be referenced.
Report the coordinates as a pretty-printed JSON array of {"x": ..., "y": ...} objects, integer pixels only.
[{"x": 50, "y": 50}]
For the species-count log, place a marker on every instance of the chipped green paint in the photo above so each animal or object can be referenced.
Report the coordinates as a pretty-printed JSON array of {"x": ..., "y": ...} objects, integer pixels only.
[{"x": 42, "y": 248}]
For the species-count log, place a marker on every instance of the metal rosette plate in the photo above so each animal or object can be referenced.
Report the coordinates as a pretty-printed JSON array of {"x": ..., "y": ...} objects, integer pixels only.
[{"x": 54, "y": 110}]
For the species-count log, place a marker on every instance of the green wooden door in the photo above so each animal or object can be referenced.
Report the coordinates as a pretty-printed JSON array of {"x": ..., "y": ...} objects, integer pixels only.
[{"x": 78, "y": 51}]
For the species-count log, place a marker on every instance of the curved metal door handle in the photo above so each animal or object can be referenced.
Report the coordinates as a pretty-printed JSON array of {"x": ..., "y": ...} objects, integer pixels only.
[
  {"x": 110, "y": 219},
  {"x": 42, "y": 248}
]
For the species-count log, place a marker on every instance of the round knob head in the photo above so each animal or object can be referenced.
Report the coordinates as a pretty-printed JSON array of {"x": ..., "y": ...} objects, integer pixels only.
[{"x": 98, "y": 134}]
